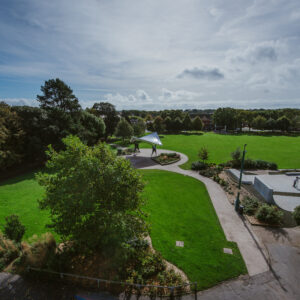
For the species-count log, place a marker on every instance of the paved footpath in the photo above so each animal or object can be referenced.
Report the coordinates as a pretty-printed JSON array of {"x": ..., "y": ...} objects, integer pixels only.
[{"x": 235, "y": 228}]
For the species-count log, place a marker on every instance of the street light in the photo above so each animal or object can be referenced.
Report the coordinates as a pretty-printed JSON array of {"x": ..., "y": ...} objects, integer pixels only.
[{"x": 237, "y": 200}]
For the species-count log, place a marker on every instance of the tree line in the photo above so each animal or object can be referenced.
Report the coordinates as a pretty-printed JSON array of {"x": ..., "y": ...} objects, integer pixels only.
[{"x": 269, "y": 119}]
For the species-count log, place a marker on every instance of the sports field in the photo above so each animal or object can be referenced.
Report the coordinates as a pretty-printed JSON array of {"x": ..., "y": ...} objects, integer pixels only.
[{"x": 283, "y": 150}]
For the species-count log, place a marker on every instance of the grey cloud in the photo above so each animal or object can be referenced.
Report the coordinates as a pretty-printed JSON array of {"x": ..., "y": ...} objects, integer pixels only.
[{"x": 209, "y": 74}]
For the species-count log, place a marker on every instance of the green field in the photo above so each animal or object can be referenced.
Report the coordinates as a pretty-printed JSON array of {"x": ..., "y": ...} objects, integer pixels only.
[
  {"x": 180, "y": 209},
  {"x": 283, "y": 150},
  {"x": 19, "y": 196}
]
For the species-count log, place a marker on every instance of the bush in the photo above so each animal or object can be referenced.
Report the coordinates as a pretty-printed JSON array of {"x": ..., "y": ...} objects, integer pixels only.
[
  {"x": 199, "y": 165},
  {"x": 296, "y": 214},
  {"x": 250, "y": 206},
  {"x": 236, "y": 155},
  {"x": 251, "y": 164},
  {"x": 14, "y": 229},
  {"x": 270, "y": 214}
]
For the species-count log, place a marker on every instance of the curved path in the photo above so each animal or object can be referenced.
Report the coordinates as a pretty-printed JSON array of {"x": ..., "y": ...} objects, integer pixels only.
[{"x": 233, "y": 225}]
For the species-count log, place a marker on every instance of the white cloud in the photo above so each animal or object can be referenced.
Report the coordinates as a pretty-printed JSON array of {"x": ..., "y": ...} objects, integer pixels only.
[{"x": 128, "y": 51}]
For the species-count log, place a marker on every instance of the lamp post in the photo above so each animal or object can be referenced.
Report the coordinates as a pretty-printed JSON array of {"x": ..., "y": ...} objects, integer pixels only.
[{"x": 237, "y": 200}]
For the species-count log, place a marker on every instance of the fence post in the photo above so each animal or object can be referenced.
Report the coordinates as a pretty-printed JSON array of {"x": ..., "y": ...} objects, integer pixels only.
[
  {"x": 172, "y": 292},
  {"x": 196, "y": 288}
]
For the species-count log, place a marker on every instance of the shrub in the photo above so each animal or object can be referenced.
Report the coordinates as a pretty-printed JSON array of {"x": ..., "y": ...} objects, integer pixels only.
[
  {"x": 203, "y": 154},
  {"x": 236, "y": 154},
  {"x": 250, "y": 206},
  {"x": 14, "y": 229},
  {"x": 199, "y": 165},
  {"x": 296, "y": 214},
  {"x": 269, "y": 214},
  {"x": 252, "y": 164}
]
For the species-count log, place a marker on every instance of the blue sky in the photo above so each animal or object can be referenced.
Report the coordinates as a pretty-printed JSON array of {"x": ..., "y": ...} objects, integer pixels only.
[{"x": 153, "y": 54}]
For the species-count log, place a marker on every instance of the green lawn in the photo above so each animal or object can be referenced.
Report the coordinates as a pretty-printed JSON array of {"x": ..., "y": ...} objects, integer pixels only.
[
  {"x": 19, "y": 196},
  {"x": 283, "y": 150},
  {"x": 180, "y": 209}
]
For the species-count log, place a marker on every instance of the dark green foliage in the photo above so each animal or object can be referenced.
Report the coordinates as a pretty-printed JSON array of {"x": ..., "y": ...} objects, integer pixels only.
[
  {"x": 226, "y": 116},
  {"x": 203, "y": 154},
  {"x": 271, "y": 124},
  {"x": 270, "y": 214},
  {"x": 236, "y": 155},
  {"x": 187, "y": 123},
  {"x": 93, "y": 196},
  {"x": 109, "y": 113},
  {"x": 158, "y": 124},
  {"x": 56, "y": 94},
  {"x": 296, "y": 214},
  {"x": 250, "y": 206},
  {"x": 124, "y": 129},
  {"x": 177, "y": 125},
  {"x": 197, "y": 123},
  {"x": 259, "y": 122},
  {"x": 139, "y": 127},
  {"x": 13, "y": 229},
  {"x": 251, "y": 164},
  {"x": 168, "y": 124},
  {"x": 11, "y": 137},
  {"x": 92, "y": 128},
  {"x": 283, "y": 123}
]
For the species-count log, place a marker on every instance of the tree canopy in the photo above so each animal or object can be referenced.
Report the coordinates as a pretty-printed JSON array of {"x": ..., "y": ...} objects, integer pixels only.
[
  {"x": 94, "y": 197},
  {"x": 57, "y": 95}
]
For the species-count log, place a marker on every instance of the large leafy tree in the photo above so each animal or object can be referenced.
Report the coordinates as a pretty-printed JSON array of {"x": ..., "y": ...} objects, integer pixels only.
[
  {"x": 226, "y": 116},
  {"x": 56, "y": 94},
  {"x": 283, "y": 123},
  {"x": 197, "y": 123},
  {"x": 187, "y": 123},
  {"x": 92, "y": 128},
  {"x": 11, "y": 137},
  {"x": 158, "y": 124},
  {"x": 259, "y": 122},
  {"x": 108, "y": 112},
  {"x": 94, "y": 197},
  {"x": 124, "y": 129}
]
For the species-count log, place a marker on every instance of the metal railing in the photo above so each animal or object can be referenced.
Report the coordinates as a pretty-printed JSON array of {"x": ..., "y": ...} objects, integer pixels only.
[{"x": 133, "y": 288}]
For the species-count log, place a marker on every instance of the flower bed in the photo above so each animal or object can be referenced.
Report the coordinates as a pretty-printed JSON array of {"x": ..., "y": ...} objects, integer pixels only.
[{"x": 167, "y": 158}]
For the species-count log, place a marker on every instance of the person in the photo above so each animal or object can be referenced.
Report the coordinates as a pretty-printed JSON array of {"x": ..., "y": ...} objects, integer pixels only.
[
  {"x": 295, "y": 185},
  {"x": 136, "y": 147},
  {"x": 153, "y": 150}
]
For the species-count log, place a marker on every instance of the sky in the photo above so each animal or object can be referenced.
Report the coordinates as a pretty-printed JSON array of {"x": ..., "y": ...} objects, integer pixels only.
[{"x": 153, "y": 54}]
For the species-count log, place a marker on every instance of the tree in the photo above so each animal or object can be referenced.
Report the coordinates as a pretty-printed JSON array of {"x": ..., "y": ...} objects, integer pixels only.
[
  {"x": 226, "y": 116},
  {"x": 168, "y": 124},
  {"x": 271, "y": 124},
  {"x": 11, "y": 137},
  {"x": 108, "y": 112},
  {"x": 158, "y": 124},
  {"x": 56, "y": 94},
  {"x": 283, "y": 123},
  {"x": 92, "y": 128},
  {"x": 259, "y": 122},
  {"x": 187, "y": 123},
  {"x": 177, "y": 124},
  {"x": 13, "y": 229},
  {"x": 197, "y": 123},
  {"x": 124, "y": 129},
  {"x": 203, "y": 154},
  {"x": 94, "y": 198},
  {"x": 139, "y": 127}
]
